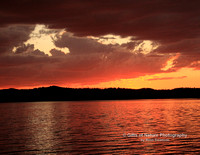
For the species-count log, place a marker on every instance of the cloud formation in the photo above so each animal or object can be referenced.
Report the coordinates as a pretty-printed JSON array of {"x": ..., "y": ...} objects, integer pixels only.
[
  {"x": 166, "y": 78},
  {"x": 171, "y": 26},
  {"x": 147, "y": 20},
  {"x": 88, "y": 62},
  {"x": 11, "y": 36}
]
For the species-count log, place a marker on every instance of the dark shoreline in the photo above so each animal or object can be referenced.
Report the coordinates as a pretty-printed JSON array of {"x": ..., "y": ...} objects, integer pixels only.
[{"x": 54, "y": 93}]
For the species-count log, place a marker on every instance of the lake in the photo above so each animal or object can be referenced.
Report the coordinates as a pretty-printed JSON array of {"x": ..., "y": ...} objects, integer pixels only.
[{"x": 101, "y": 127}]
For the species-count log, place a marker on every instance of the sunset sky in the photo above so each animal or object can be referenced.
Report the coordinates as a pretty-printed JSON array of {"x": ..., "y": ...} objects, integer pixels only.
[{"x": 100, "y": 43}]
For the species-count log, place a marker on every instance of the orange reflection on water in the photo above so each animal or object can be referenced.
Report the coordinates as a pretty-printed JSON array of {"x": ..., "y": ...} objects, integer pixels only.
[{"x": 108, "y": 127}]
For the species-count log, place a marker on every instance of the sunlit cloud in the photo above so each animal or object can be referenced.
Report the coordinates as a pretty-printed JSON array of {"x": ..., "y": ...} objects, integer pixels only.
[
  {"x": 170, "y": 62},
  {"x": 166, "y": 78},
  {"x": 146, "y": 47},
  {"x": 42, "y": 39},
  {"x": 111, "y": 39}
]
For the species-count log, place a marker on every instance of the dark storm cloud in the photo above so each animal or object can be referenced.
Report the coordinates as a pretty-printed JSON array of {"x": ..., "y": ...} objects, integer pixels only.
[
  {"x": 24, "y": 48},
  {"x": 185, "y": 46},
  {"x": 12, "y": 36},
  {"x": 78, "y": 45},
  {"x": 170, "y": 23},
  {"x": 57, "y": 53},
  {"x": 28, "y": 50},
  {"x": 167, "y": 20}
]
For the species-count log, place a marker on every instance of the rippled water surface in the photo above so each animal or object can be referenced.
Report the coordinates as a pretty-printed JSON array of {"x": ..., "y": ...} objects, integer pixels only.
[{"x": 101, "y": 127}]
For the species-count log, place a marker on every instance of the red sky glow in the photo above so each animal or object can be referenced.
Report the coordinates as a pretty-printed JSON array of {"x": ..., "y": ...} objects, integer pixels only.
[{"x": 112, "y": 43}]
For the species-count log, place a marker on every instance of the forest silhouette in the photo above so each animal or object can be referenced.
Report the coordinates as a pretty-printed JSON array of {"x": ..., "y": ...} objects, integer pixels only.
[{"x": 55, "y": 93}]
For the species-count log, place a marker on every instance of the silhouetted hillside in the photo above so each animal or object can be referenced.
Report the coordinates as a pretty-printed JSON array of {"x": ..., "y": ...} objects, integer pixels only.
[{"x": 54, "y": 93}]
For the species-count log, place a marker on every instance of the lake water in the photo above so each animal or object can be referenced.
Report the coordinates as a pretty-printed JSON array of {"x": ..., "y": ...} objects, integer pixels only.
[{"x": 101, "y": 127}]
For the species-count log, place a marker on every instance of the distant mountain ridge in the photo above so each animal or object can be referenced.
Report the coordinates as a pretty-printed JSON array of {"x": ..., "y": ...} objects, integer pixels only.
[{"x": 55, "y": 93}]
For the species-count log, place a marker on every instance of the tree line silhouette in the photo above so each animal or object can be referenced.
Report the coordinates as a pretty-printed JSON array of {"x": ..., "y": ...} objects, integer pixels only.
[{"x": 55, "y": 93}]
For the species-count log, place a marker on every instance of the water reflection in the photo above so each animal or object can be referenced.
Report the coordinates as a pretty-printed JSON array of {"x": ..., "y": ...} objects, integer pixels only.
[
  {"x": 40, "y": 127},
  {"x": 100, "y": 127}
]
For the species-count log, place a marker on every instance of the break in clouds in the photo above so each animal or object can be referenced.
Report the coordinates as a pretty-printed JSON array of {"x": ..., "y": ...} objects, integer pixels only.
[{"x": 154, "y": 32}]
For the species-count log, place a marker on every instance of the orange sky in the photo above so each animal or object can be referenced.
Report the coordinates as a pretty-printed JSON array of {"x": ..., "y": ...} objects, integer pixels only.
[{"x": 185, "y": 77}]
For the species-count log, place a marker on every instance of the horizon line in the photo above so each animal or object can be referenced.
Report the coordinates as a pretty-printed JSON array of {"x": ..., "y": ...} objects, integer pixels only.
[{"x": 96, "y": 88}]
